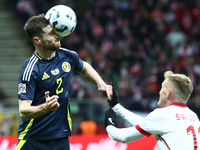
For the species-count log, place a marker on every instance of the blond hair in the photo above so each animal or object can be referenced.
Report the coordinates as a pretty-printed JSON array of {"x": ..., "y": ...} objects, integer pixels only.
[{"x": 181, "y": 85}]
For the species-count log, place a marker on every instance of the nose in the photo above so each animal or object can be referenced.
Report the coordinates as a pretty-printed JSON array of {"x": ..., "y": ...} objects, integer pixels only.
[{"x": 159, "y": 91}]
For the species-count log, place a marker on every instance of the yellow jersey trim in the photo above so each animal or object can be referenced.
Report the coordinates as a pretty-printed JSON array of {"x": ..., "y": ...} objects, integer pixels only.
[
  {"x": 38, "y": 56},
  {"x": 21, "y": 136},
  {"x": 20, "y": 144},
  {"x": 69, "y": 118}
]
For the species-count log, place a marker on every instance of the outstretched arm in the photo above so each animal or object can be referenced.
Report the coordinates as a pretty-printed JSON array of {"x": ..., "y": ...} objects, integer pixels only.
[
  {"x": 90, "y": 75},
  {"x": 127, "y": 115},
  {"x": 124, "y": 135}
]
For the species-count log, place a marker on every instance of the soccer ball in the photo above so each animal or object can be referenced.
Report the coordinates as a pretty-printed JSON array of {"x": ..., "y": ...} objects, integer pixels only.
[{"x": 62, "y": 18}]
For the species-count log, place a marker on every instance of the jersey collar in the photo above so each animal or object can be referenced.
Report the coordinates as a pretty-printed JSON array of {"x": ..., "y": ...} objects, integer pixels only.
[
  {"x": 38, "y": 55},
  {"x": 179, "y": 104}
]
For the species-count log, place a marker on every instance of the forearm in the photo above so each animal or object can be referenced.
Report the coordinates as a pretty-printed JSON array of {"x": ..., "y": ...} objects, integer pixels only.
[
  {"x": 90, "y": 75},
  {"x": 27, "y": 111},
  {"x": 124, "y": 135},
  {"x": 127, "y": 115}
]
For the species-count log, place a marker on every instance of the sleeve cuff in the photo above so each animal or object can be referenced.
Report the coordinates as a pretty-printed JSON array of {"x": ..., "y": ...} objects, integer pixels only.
[{"x": 117, "y": 107}]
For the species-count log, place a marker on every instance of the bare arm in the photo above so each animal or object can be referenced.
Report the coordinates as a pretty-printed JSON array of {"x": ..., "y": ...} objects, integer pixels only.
[
  {"x": 27, "y": 111},
  {"x": 90, "y": 75}
]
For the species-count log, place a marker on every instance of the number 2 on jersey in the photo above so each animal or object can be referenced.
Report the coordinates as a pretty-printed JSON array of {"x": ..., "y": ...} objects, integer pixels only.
[
  {"x": 59, "y": 82},
  {"x": 190, "y": 130}
]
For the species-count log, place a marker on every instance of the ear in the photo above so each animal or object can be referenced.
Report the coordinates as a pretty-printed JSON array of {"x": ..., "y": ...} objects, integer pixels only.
[
  {"x": 169, "y": 94},
  {"x": 36, "y": 40}
]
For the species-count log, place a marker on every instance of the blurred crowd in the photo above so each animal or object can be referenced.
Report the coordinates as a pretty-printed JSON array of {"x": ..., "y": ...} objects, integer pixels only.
[
  {"x": 4, "y": 99},
  {"x": 131, "y": 43}
]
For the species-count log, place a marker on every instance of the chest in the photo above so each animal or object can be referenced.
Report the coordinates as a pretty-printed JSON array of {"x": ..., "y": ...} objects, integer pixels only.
[{"x": 55, "y": 76}]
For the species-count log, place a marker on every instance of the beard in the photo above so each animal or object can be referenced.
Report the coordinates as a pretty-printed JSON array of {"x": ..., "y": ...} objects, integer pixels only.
[{"x": 50, "y": 45}]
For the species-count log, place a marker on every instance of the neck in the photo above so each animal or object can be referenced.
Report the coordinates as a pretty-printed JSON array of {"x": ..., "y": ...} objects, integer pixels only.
[{"x": 46, "y": 54}]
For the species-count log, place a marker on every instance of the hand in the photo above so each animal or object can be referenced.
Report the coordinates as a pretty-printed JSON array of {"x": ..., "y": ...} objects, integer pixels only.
[
  {"x": 115, "y": 99},
  {"x": 51, "y": 102},
  {"x": 108, "y": 89},
  {"x": 110, "y": 118}
]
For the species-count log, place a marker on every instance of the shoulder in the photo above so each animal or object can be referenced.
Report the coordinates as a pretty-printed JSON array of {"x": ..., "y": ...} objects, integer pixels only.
[
  {"x": 31, "y": 60},
  {"x": 192, "y": 113},
  {"x": 29, "y": 66},
  {"x": 69, "y": 54},
  {"x": 165, "y": 111},
  {"x": 158, "y": 113},
  {"x": 67, "y": 51},
  {"x": 158, "y": 110}
]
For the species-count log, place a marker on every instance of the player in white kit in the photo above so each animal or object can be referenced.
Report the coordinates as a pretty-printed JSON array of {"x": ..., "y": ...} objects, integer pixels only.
[{"x": 174, "y": 125}]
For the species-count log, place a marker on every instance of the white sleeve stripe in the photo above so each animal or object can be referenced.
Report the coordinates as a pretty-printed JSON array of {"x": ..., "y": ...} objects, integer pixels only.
[
  {"x": 28, "y": 71},
  {"x": 30, "y": 65},
  {"x": 32, "y": 69},
  {"x": 27, "y": 68}
]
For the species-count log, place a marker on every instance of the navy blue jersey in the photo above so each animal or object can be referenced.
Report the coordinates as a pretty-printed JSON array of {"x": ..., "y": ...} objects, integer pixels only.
[{"x": 38, "y": 76}]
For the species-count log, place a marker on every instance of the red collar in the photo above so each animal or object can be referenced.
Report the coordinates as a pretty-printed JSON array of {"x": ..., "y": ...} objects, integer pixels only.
[{"x": 179, "y": 104}]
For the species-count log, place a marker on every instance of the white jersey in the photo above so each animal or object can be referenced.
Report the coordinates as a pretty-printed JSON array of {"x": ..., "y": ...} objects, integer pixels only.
[{"x": 176, "y": 127}]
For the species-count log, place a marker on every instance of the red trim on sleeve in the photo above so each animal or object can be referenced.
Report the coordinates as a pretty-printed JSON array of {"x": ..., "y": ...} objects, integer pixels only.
[
  {"x": 165, "y": 142},
  {"x": 142, "y": 131}
]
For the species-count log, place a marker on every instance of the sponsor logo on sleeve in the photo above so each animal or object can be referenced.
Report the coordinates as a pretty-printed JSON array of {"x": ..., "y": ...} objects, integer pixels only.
[{"x": 21, "y": 88}]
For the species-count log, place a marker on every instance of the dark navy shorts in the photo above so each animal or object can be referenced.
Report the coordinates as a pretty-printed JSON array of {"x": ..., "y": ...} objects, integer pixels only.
[{"x": 54, "y": 144}]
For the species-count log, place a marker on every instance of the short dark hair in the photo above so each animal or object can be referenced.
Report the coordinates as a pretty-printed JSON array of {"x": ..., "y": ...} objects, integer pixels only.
[{"x": 33, "y": 27}]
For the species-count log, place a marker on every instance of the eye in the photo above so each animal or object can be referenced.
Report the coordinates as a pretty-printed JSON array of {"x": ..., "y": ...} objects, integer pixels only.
[{"x": 51, "y": 33}]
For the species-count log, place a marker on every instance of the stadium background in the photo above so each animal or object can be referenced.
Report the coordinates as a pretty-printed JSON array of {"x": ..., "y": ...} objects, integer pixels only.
[{"x": 128, "y": 42}]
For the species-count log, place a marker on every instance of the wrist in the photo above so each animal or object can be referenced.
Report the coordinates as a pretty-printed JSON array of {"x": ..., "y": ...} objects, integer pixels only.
[
  {"x": 45, "y": 108},
  {"x": 101, "y": 86}
]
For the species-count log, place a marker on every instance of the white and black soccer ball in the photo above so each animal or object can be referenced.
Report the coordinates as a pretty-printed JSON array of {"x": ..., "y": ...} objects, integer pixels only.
[{"x": 62, "y": 18}]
